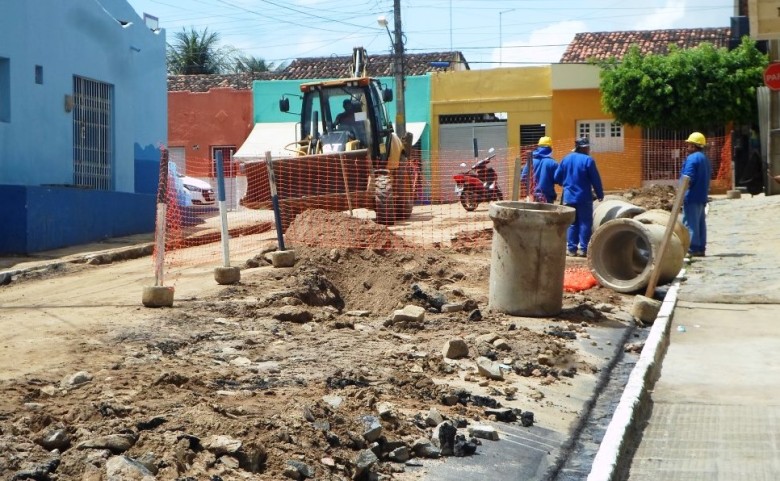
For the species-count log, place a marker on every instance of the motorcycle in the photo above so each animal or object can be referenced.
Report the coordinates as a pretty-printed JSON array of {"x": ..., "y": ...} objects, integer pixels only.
[{"x": 478, "y": 184}]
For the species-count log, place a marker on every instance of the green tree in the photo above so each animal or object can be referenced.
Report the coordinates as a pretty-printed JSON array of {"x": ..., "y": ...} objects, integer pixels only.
[
  {"x": 250, "y": 63},
  {"x": 193, "y": 52},
  {"x": 699, "y": 87}
]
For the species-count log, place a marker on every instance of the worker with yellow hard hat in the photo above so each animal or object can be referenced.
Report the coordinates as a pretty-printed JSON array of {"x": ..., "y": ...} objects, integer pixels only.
[
  {"x": 698, "y": 168},
  {"x": 542, "y": 185}
]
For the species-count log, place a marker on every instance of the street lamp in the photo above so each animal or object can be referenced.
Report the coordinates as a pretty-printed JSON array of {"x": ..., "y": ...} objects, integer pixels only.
[
  {"x": 501, "y": 34},
  {"x": 398, "y": 68}
]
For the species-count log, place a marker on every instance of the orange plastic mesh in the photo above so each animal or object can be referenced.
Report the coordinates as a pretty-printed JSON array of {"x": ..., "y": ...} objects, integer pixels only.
[
  {"x": 338, "y": 195},
  {"x": 578, "y": 278}
]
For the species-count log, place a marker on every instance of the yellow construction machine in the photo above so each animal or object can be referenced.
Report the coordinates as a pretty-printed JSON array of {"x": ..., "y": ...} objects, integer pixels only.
[{"x": 346, "y": 157}]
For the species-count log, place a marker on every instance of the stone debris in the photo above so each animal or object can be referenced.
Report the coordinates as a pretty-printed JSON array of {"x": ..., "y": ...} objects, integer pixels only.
[
  {"x": 483, "y": 431},
  {"x": 372, "y": 428},
  {"x": 298, "y": 470},
  {"x": 455, "y": 349},
  {"x": 125, "y": 468},
  {"x": 75, "y": 380},
  {"x": 116, "y": 443},
  {"x": 424, "y": 448},
  {"x": 489, "y": 369},
  {"x": 433, "y": 418},
  {"x": 409, "y": 313},
  {"x": 453, "y": 307}
]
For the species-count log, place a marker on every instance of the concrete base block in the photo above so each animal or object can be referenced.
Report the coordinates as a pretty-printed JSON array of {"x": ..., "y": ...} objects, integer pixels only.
[
  {"x": 283, "y": 258},
  {"x": 733, "y": 194},
  {"x": 227, "y": 275},
  {"x": 645, "y": 309},
  {"x": 157, "y": 296}
]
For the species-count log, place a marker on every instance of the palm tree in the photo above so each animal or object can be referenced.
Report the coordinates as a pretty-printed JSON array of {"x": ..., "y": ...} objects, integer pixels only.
[
  {"x": 197, "y": 52},
  {"x": 251, "y": 63}
]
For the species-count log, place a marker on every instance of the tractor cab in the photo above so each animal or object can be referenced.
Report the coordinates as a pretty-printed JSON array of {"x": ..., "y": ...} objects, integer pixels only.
[{"x": 343, "y": 116}]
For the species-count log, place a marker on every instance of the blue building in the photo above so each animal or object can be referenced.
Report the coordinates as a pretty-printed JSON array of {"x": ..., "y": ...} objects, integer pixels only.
[{"x": 83, "y": 102}]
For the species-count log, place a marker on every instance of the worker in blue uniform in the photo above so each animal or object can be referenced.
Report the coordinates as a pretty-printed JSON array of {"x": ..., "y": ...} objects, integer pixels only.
[
  {"x": 698, "y": 168},
  {"x": 542, "y": 185},
  {"x": 578, "y": 175}
]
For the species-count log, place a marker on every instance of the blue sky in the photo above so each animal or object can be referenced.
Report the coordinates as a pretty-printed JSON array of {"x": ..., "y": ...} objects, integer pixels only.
[{"x": 530, "y": 31}]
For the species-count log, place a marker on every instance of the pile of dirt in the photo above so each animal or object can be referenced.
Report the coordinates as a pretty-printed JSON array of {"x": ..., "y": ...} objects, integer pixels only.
[
  {"x": 325, "y": 228},
  {"x": 652, "y": 197},
  {"x": 469, "y": 241}
]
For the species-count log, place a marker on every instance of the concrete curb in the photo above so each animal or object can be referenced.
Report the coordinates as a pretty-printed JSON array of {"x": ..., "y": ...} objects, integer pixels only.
[
  {"x": 613, "y": 459},
  {"x": 95, "y": 258}
]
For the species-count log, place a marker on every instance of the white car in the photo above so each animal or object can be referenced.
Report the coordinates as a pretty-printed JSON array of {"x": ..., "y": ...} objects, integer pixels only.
[{"x": 200, "y": 191}]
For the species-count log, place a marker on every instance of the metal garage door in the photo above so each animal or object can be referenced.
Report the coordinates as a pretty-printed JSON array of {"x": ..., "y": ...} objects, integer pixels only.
[
  {"x": 177, "y": 156},
  {"x": 456, "y": 146}
]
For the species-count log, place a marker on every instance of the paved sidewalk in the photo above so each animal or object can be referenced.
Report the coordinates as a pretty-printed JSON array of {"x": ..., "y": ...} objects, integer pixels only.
[{"x": 716, "y": 407}]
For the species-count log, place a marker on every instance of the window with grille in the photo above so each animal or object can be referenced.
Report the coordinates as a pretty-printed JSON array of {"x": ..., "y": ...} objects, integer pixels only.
[
  {"x": 93, "y": 134},
  {"x": 604, "y": 135}
]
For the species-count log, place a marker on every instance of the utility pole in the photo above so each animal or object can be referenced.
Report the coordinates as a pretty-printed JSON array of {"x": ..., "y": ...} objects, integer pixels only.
[{"x": 398, "y": 68}]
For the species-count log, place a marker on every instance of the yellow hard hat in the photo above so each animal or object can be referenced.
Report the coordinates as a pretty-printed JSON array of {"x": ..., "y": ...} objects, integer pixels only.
[
  {"x": 545, "y": 141},
  {"x": 697, "y": 138}
]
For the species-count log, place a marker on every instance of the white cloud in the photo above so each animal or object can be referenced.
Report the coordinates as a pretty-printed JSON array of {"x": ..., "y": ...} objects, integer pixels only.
[
  {"x": 664, "y": 17},
  {"x": 542, "y": 46}
]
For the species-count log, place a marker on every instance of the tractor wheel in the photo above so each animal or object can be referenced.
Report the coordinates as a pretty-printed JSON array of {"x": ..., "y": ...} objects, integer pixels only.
[
  {"x": 383, "y": 197},
  {"x": 403, "y": 190},
  {"x": 469, "y": 199}
]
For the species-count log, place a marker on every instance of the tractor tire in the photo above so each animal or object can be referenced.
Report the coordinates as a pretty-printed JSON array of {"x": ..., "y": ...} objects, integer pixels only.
[
  {"x": 403, "y": 190},
  {"x": 383, "y": 197}
]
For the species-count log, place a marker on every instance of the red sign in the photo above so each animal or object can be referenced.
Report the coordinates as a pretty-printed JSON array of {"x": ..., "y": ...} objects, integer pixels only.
[{"x": 772, "y": 76}]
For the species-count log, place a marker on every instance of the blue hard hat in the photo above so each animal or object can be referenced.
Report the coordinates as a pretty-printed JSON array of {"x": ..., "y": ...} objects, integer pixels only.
[{"x": 582, "y": 142}]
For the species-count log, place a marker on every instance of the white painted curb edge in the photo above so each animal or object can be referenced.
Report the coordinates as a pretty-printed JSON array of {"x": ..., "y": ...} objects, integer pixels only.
[{"x": 634, "y": 406}]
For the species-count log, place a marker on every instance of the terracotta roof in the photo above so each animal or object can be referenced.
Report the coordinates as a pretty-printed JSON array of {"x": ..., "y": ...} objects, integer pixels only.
[
  {"x": 605, "y": 45},
  {"x": 202, "y": 83},
  {"x": 319, "y": 68},
  {"x": 378, "y": 65}
]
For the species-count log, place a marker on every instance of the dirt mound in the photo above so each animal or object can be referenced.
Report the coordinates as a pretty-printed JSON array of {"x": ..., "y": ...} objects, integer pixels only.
[
  {"x": 472, "y": 240},
  {"x": 317, "y": 227},
  {"x": 652, "y": 197}
]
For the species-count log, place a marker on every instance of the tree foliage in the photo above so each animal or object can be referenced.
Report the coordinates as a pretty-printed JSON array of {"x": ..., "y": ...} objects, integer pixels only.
[
  {"x": 193, "y": 52},
  {"x": 251, "y": 63},
  {"x": 692, "y": 88}
]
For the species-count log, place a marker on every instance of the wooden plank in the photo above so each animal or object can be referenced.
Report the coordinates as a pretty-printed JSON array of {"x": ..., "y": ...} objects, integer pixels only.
[{"x": 656, "y": 272}]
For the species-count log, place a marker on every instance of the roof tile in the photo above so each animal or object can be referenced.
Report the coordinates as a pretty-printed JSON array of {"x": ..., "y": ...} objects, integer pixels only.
[{"x": 588, "y": 46}]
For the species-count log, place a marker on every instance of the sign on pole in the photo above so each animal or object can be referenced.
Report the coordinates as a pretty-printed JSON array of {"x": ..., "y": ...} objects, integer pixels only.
[{"x": 772, "y": 76}]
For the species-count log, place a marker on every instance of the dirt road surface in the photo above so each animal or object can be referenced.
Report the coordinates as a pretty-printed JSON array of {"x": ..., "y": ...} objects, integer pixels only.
[{"x": 294, "y": 373}]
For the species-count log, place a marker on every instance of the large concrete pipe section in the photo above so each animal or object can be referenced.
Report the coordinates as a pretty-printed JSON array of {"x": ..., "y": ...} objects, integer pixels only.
[
  {"x": 611, "y": 208},
  {"x": 528, "y": 257},
  {"x": 661, "y": 217},
  {"x": 622, "y": 253}
]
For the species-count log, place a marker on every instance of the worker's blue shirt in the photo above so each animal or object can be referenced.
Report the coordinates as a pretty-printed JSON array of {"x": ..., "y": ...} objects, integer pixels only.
[
  {"x": 544, "y": 173},
  {"x": 577, "y": 173},
  {"x": 697, "y": 167}
]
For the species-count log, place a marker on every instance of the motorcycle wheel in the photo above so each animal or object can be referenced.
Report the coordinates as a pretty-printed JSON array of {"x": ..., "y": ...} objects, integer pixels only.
[{"x": 469, "y": 200}]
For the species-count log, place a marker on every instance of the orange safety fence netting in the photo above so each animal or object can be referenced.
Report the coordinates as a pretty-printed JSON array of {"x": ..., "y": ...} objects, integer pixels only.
[
  {"x": 348, "y": 200},
  {"x": 578, "y": 278}
]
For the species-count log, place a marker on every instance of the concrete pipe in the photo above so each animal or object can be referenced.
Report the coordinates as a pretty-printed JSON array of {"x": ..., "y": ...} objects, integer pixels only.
[
  {"x": 528, "y": 257},
  {"x": 622, "y": 253},
  {"x": 661, "y": 217},
  {"x": 609, "y": 209}
]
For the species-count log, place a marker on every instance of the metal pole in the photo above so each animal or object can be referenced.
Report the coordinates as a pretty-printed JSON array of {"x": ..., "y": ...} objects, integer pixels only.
[
  {"x": 223, "y": 210},
  {"x": 275, "y": 200},
  {"x": 501, "y": 35},
  {"x": 500, "y": 38},
  {"x": 398, "y": 64}
]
